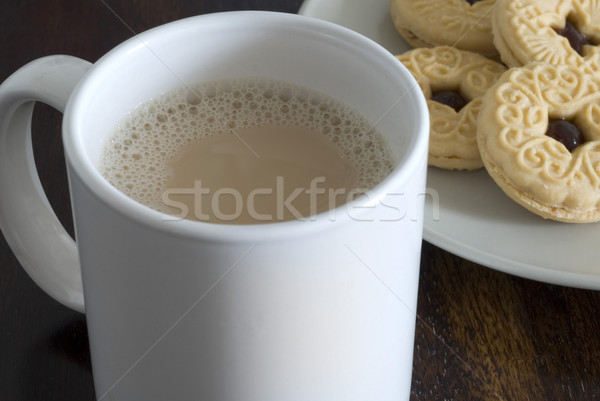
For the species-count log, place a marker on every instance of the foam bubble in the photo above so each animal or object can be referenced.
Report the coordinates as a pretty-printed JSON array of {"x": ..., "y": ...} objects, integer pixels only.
[{"x": 136, "y": 158}]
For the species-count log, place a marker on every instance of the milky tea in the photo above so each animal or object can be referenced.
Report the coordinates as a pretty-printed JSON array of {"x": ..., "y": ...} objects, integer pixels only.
[{"x": 244, "y": 151}]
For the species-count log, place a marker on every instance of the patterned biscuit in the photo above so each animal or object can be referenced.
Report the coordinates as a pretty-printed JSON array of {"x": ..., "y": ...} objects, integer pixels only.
[
  {"x": 452, "y": 139},
  {"x": 457, "y": 23},
  {"x": 526, "y": 30},
  {"x": 534, "y": 169}
]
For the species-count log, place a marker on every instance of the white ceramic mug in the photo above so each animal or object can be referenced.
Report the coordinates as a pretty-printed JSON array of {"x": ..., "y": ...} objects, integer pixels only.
[{"x": 322, "y": 309}]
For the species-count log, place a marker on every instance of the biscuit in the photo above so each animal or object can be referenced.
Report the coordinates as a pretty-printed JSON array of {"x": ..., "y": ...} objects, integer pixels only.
[
  {"x": 536, "y": 170},
  {"x": 452, "y": 138},
  {"x": 525, "y": 31},
  {"x": 457, "y": 23}
]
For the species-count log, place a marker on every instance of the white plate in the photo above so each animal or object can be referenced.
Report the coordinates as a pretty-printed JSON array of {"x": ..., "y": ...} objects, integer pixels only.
[{"x": 466, "y": 213}]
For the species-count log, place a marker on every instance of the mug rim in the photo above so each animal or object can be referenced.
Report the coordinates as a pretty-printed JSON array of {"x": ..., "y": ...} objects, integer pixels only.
[{"x": 102, "y": 190}]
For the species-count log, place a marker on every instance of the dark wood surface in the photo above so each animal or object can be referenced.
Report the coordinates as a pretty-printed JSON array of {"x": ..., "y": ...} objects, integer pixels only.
[{"x": 481, "y": 334}]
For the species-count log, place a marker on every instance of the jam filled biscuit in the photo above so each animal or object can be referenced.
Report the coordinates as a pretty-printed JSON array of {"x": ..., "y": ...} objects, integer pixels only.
[
  {"x": 464, "y": 24},
  {"x": 453, "y": 82},
  {"x": 539, "y": 138},
  {"x": 554, "y": 31}
]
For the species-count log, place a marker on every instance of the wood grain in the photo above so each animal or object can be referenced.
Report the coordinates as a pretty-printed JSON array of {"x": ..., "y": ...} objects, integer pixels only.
[{"x": 485, "y": 335}]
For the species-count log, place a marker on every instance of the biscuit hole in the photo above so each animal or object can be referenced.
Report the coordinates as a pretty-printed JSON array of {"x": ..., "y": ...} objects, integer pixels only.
[
  {"x": 471, "y": 2},
  {"x": 450, "y": 98},
  {"x": 565, "y": 132},
  {"x": 576, "y": 39}
]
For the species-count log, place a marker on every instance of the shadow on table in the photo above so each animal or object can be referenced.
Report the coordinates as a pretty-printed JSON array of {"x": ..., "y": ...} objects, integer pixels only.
[{"x": 59, "y": 367}]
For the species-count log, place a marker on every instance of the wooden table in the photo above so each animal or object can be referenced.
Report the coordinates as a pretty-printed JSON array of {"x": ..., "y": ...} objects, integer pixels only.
[{"x": 481, "y": 334}]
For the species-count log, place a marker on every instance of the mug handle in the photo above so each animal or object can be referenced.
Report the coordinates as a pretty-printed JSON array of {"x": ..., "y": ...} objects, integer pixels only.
[{"x": 39, "y": 241}]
